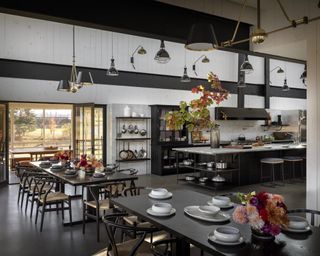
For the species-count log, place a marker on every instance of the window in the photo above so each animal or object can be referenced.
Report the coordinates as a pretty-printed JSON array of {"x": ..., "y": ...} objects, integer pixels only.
[{"x": 35, "y": 125}]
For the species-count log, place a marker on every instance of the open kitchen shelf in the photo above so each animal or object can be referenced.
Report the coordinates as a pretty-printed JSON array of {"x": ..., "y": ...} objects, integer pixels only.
[
  {"x": 133, "y": 160},
  {"x": 133, "y": 139},
  {"x": 133, "y": 118},
  {"x": 204, "y": 169}
]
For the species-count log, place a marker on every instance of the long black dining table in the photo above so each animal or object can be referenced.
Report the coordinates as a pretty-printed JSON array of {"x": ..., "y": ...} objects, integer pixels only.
[
  {"x": 188, "y": 230},
  {"x": 87, "y": 180}
]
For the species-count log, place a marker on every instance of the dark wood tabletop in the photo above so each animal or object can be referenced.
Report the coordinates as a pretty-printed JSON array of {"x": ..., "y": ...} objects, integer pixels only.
[
  {"x": 196, "y": 232},
  {"x": 77, "y": 181}
]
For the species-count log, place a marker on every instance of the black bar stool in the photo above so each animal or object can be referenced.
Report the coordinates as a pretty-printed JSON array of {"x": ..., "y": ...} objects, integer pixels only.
[
  {"x": 272, "y": 162},
  {"x": 293, "y": 160}
]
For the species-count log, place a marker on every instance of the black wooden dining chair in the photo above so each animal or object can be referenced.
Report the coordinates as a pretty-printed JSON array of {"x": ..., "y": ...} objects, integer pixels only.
[
  {"x": 306, "y": 211},
  {"x": 49, "y": 197},
  {"x": 100, "y": 194},
  {"x": 137, "y": 246}
]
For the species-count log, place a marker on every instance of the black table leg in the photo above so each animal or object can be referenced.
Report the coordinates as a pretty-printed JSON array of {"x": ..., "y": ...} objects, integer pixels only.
[{"x": 182, "y": 247}]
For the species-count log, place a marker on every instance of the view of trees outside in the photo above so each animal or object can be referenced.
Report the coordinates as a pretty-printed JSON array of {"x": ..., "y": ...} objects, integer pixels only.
[{"x": 40, "y": 127}]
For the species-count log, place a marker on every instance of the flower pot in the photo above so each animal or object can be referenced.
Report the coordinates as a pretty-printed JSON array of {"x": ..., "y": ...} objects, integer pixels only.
[
  {"x": 215, "y": 137},
  {"x": 256, "y": 234}
]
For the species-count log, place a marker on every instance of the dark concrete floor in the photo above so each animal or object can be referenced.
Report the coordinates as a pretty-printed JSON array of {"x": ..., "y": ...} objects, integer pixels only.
[{"x": 20, "y": 236}]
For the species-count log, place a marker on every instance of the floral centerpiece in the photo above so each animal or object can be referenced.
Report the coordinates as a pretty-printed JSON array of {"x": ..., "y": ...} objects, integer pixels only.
[
  {"x": 195, "y": 115},
  {"x": 266, "y": 213},
  {"x": 90, "y": 162},
  {"x": 63, "y": 156}
]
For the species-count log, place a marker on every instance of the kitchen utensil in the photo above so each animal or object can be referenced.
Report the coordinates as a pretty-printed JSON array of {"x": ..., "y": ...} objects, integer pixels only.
[
  {"x": 142, "y": 153},
  {"x": 218, "y": 178},
  {"x": 203, "y": 179},
  {"x": 190, "y": 178},
  {"x": 124, "y": 129},
  {"x": 143, "y": 132},
  {"x": 123, "y": 154},
  {"x": 131, "y": 154},
  {"x": 210, "y": 164},
  {"x": 136, "y": 130},
  {"x": 241, "y": 137},
  {"x": 127, "y": 111},
  {"x": 141, "y": 115},
  {"x": 187, "y": 162},
  {"x": 134, "y": 114},
  {"x": 221, "y": 165},
  {"x": 130, "y": 129}
]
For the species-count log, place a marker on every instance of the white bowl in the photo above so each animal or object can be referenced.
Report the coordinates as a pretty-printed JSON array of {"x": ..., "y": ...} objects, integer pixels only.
[
  {"x": 221, "y": 200},
  {"x": 297, "y": 222},
  {"x": 159, "y": 192},
  {"x": 161, "y": 208},
  {"x": 227, "y": 234},
  {"x": 209, "y": 210}
]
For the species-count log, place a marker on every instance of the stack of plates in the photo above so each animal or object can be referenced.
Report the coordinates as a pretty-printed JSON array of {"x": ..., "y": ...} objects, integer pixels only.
[
  {"x": 161, "y": 210},
  {"x": 194, "y": 212}
]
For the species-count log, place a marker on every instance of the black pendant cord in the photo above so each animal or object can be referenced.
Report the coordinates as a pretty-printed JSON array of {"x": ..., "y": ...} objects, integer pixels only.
[
  {"x": 258, "y": 14},
  {"x": 112, "y": 44},
  {"x": 73, "y": 45},
  {"x": 185, "y": 58}
]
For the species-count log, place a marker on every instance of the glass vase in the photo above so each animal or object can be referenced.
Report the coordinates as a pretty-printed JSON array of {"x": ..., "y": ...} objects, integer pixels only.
[{"x": 215, "y": 137}]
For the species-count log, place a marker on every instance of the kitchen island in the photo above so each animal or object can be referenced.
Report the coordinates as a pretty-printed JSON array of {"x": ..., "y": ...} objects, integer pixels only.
[{"x": 243, "y": 164}]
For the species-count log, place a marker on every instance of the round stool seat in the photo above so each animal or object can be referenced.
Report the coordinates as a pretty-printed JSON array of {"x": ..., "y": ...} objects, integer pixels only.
[
  {"x": 292, "y": 158},
  {"x": 271, "y": 160}
]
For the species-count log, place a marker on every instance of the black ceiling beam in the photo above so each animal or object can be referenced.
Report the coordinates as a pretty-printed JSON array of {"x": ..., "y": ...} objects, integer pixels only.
[
  {"x": 54, "y": 72},
  {"x": 142, "y": 18}
]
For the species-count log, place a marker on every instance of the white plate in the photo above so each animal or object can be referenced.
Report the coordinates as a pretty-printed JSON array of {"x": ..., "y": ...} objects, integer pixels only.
[
  {"x": 194, "y": 212},
  {"x": 168, "y": 195},
  {"x": 230, "y": 205},
  {"x": 212, "y": 238},
  {"x": 151, "y": 212},
  {"x": 294, "y": 230}
]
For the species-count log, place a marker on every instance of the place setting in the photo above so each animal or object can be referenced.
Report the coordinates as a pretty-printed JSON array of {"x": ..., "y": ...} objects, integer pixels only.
[
  {"x": 161, "y": 210},
  {"x": 226, "y": 236},
  {"x": 223, "y": 202},
  {"x": 208, "y": 213},
  {"x": 57, "y": 168},
  {"x": 160, "y": 194},
  {"x": 70, "y": 173},
  {"x": 297, "y": 225}
]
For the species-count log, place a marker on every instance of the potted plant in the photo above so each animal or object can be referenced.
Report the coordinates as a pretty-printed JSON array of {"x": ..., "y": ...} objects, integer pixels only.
[
  {"x": 195, "y": 115},
  {"x": 265, "y": 213}
]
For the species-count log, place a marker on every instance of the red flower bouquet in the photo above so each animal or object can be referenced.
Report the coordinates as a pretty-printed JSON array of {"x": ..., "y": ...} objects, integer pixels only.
[{"x": 266, "y": 213}]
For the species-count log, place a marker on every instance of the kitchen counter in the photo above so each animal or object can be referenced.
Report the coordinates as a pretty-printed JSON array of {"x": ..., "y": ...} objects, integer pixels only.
[{"x": 219, "y": 151}]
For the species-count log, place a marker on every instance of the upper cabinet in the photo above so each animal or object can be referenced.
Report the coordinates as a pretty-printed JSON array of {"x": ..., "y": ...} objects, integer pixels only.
[{"x": 291, "y": 71}]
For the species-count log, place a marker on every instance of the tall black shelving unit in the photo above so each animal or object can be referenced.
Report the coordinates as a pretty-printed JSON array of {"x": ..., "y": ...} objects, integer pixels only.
[{"x": 163, "y": 160}]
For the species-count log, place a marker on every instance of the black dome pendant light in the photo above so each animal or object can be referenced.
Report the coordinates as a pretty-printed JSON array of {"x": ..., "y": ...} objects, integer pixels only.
[{"x": 201, "y": 37}]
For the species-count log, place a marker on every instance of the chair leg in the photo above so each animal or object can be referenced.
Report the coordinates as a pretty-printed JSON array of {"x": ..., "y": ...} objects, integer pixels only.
[
  {"x": 42, "y": 216},
  {"x": 37, "y": 213},
  {"x": 260, "y": 172},
  {"x": 98, "y": 224},
  {"x": 27, "y": 202},
  {"x": 57, "y": 207},
  {"x": 32, "y": 204},
  {"x": 19, "y": 194},
  {"x": 282, "y": 170},
  {"x": 83, "y": 219},
  {"x": 70, "y": 212},
  {"x": 22, "y": 197},
  {"x": 62, "y": 209}
]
